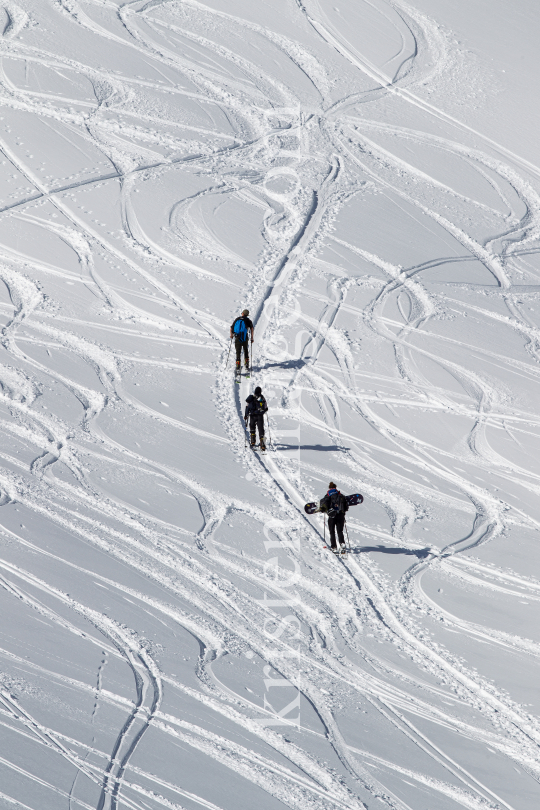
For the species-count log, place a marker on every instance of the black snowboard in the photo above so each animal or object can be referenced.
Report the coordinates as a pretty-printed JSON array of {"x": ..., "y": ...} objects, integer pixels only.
[{"x": 352, "y": 500}]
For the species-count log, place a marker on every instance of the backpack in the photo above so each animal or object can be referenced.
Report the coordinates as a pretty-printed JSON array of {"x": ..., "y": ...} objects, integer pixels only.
[
  {"x": 335, "y": 504},
  {"x": 240, "y": 329},
  {"x": 261, "y": 403}
]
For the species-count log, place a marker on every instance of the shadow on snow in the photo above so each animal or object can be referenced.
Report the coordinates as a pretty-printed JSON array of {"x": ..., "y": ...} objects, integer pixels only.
[
  {"x": 413, "y": 552},
  {"x": 281, "y": 446}
]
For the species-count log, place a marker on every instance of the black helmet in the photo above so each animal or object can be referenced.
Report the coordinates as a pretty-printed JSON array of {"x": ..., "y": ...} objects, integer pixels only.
[
  {"x": 258, "y": 391},
  {"x": 250, "y": 398}
]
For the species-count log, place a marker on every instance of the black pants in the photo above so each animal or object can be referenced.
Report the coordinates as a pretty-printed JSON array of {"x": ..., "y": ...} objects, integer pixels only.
[
  {"x": 256, "y": 420},
  {"x": 239, "y": 345},
  {"x": 338, "y": 523}
]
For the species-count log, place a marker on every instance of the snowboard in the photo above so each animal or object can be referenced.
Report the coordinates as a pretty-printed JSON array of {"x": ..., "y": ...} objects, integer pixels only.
[{"x": 352, "y": 500}]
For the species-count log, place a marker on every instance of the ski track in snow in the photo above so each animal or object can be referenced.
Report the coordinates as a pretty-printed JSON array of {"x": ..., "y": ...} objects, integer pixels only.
[{"x": 143, "y": 147}]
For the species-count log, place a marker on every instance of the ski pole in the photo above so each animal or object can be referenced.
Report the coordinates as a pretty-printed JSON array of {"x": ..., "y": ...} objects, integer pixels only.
[
  {"x": 324, "y": 530},
  {"x": 269, "y": 434},
  {"x": 346, "y": 529},
  {"x": 227, "y": 363}
]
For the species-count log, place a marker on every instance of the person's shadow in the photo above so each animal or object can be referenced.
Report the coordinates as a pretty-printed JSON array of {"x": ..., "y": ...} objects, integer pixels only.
[
  {"x": 328, "y": 447},
  {"x": 285, "y": 364},
  {"x": 421, "y": 553}
]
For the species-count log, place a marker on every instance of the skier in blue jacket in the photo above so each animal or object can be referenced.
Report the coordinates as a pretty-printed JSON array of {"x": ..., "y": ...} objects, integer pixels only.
[{"x": 240, "y": 329}]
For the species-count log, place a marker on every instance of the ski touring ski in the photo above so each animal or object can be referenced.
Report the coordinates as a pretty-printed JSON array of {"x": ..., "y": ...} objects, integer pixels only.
[{"x": 337, "y": 552}]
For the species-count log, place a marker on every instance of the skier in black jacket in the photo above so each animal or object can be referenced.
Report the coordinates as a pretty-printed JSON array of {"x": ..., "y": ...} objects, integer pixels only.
[
  {"x": 335, "y": 505},
  {"x": 256, "y": 408}
]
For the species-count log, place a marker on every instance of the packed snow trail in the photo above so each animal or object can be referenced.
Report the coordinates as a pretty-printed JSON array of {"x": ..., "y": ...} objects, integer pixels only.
[{"x": 174, "y": 633}]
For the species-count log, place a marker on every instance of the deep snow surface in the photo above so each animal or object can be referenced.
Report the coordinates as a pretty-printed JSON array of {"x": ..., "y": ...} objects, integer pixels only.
[{"x": 365, "y": 178}]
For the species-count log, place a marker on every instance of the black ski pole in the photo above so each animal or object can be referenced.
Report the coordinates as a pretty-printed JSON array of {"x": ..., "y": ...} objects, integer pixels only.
[
  {"x": 227, "y": 363},
  {"x": 324, "y": 530}
]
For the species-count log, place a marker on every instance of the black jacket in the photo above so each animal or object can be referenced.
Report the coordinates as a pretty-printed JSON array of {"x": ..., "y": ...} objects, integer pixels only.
[
  {"x": 256, "y": 406},
  {"x": 334, "y": 504}
]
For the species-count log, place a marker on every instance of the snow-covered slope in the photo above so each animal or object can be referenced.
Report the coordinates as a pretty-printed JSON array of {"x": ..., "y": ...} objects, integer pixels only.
[{"x": 365, "y": 178}]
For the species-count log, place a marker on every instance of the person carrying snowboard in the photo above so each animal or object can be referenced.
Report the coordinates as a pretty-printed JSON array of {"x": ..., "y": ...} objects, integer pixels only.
[
  {"x": 256, "y": 408},
  {"x": 240, "y": 331},
  {"x": 335, "y": 505}
]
